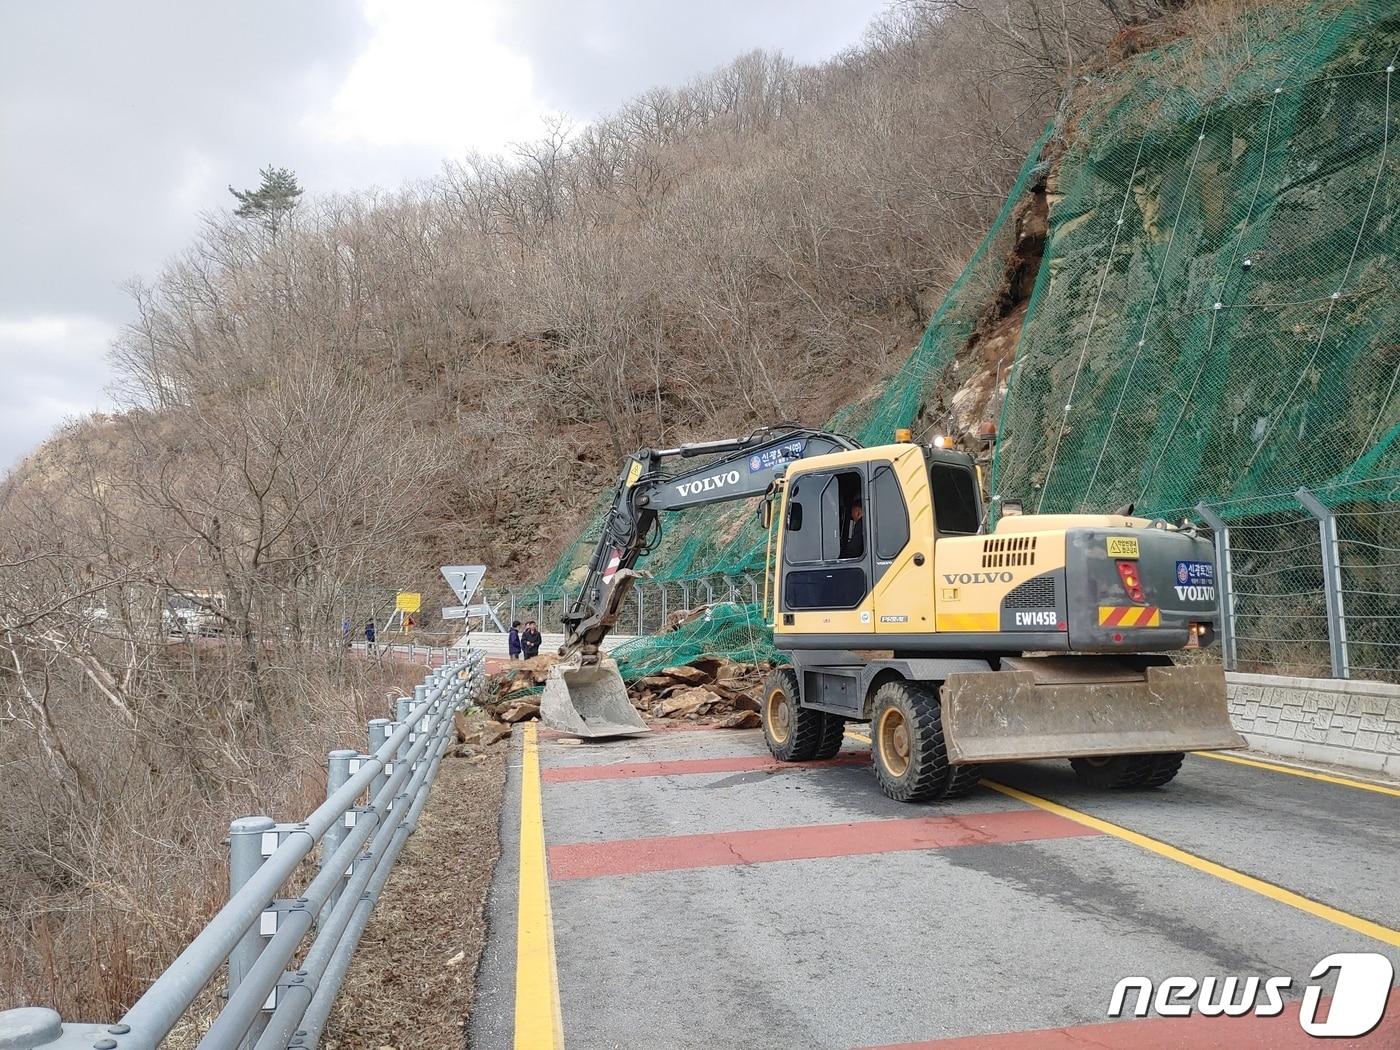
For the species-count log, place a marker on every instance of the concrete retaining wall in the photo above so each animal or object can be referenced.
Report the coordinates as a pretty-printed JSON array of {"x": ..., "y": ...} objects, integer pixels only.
[{"x": 1350, "y": 723}]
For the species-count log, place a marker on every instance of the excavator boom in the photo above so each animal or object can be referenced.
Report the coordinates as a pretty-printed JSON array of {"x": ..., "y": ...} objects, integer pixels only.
[{"x": 585, "y": 694}]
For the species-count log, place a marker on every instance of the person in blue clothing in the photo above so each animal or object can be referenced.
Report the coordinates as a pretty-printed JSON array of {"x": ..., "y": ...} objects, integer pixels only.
[
  {"x": 369, "y": 632},
  {"x": 517, "y": 651}
]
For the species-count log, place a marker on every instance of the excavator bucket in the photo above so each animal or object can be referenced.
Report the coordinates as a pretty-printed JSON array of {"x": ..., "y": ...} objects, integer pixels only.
[
  {"x": 589, "y": 701},
  {"x": 1052, "y": 707}
]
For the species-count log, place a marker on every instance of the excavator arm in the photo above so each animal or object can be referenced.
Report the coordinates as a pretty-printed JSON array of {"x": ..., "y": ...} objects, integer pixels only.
[{"x": 745, "y": 469}]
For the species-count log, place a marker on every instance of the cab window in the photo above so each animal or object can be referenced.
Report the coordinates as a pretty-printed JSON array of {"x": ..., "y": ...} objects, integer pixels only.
[
  {"x": 956, "y": 506},
  {"x": 827, "y": 535},
  {"x": 802, "y": 534},
  {"x": 891, "y": 516},
  {"x": 825, "y": 519}
]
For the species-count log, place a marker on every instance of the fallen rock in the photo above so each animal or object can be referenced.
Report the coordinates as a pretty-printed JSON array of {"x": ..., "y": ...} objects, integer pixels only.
[
  {"x": 687, "y": 702},
  {"x": 462, "y": 727},
  {"x": 492, "y": 732},
  {"x": 742, "y": 720},
  {"x": 520, "y": 711},
  {"x": 689, "y": 675}
]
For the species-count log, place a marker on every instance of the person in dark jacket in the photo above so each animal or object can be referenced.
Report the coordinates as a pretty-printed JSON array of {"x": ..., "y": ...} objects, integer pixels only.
[
  {"x": 369, "y": 632},
  {"x": 517, "y": 651},
  {"x": 531, "y": 640}
]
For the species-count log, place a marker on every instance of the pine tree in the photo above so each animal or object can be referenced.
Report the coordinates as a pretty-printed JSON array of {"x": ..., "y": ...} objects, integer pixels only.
[{"x": 270, "y": 203}]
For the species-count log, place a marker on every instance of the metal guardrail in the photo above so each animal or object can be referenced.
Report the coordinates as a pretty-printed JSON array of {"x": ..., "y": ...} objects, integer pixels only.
[{"x": 373, "y": 800}]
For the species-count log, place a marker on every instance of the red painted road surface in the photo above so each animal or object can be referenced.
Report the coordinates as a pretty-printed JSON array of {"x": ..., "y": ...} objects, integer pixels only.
[{"x": 673, "y": 852}]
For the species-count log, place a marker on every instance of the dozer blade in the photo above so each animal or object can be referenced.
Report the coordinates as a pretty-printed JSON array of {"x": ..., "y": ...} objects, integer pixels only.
[
  {"x": 1052, "y": 708},
  {"x": 589, "y": 701}
]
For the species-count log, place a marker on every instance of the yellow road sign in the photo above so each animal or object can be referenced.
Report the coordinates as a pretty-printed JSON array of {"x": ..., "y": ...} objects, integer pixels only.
[{"x": 408, "y": 602}]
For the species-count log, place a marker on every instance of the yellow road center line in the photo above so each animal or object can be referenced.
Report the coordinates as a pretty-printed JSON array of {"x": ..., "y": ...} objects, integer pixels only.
[
  {"x": 538, "y": 1022},
  {"x": 1249, "y": 882},
  {"x": 1360, "y": 785}
]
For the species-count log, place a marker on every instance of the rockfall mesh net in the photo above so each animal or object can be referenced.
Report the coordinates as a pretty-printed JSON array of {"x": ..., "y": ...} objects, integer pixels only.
[{"x": 1214, "y": 319}]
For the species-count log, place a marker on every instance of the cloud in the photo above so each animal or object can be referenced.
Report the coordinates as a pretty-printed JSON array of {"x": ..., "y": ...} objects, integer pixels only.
[
  {"x": 591, "y": 56},
  {"x": 434, "y": 74},
  {"x": 48, "y": 362}
]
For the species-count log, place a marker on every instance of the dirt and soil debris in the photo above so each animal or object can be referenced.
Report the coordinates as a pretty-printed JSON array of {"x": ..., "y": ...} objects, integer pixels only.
[
  {"x": 709, "y": 690},
  {"x": 414, "y": 973}
]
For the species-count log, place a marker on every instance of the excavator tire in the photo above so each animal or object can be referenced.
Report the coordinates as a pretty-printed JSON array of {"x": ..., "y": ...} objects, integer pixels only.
[
  {"x": 1165, "y": 769},
  {"x": 1128, "y": 771},
  {"x": 963, "y": 780},
  {"x": 794, "y": 733},
  {"x": 906, "y": 743},
  {"x": 833, "y": 733}
]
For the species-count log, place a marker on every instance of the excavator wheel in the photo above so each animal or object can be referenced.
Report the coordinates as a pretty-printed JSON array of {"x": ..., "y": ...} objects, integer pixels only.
[
  {"x": 794, "y": 733},
  {"x": 1128, "y": 771},
  {"x": 833, "y": 733},
  {"x": 1165, "y": 769},
  {"x": 963, "y": 780},
  {"x": 906, "y": 744}
]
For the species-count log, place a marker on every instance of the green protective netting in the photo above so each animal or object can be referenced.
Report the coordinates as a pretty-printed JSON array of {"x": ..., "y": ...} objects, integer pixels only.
[
  {"x": 1215, "y": 318},
  {"x": 735, "y": 631}
]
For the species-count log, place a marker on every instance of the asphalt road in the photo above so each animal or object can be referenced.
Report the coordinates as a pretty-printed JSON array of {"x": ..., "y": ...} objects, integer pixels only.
[{"x": 697, "y": 896}]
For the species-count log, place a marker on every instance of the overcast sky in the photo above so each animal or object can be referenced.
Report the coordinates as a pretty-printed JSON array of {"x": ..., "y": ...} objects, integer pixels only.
[{"x": 121, "y": 122}]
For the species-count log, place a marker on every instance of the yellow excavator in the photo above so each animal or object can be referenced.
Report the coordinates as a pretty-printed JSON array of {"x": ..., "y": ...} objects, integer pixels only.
[{"x": 1048, "y": 636}]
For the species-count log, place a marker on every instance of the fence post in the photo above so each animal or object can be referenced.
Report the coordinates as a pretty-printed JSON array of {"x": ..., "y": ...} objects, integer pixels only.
[
  {"x": 641, "y": 619},
  {"x": 1224, "y": 586},
  {"x": 337, "y": 773},
  {"x": 379, "y": 733},
  {"x": 1331, "y": 581},
  {"x": 245, "y": 857}
]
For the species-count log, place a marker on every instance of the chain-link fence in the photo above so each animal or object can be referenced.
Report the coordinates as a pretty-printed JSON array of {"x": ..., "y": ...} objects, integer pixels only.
[{"x": 1310, "y": 584}]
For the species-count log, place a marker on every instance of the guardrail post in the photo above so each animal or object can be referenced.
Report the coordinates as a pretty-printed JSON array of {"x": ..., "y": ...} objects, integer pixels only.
[
  {"x": 245, "y": 857},
  {"x": 1331, "y": 581},
  {"x": 337, "y": 773},
  {"x": 379, "y": 733},
  {"x": 1224, "y": 586}
]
